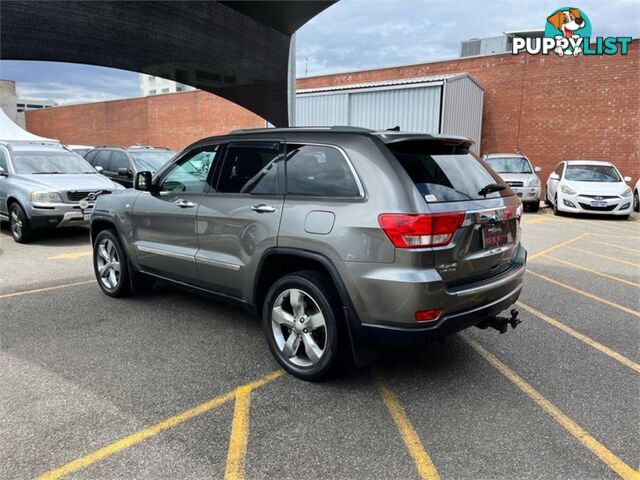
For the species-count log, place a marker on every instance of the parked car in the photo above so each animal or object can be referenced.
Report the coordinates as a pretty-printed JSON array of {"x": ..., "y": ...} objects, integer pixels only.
[
  {"x": 121, "y": 164},
  {"x": 364, "y": 238},
  {"x": 42, "y": 185},
  {"x": 516, "y": 170},
  {"x": 584, "y": 186},
  {"x": 636, "y": 196},
  {"x": 81, "y": 150}
]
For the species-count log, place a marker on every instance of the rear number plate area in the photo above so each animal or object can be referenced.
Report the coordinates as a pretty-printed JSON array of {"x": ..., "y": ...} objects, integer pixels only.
[{"x": 496, "y": 234}]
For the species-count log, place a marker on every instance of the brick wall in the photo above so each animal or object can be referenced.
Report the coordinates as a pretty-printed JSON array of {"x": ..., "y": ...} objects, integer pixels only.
[
  {"x": 550, "y": 108},
  {"x": 171, "y": 120}
]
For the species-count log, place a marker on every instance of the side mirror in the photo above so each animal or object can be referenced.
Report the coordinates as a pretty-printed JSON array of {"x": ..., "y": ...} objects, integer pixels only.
[
  {"x": 537, "y": 169},
  {"x": 143, "y": 181},
  {"x": 627, "y": 179},
  {"x": 124, "y": 172},
  {"x": 99, "y": 169},
  {"x": 554, "y": 176},
  {"x": 2, "y": 172}
]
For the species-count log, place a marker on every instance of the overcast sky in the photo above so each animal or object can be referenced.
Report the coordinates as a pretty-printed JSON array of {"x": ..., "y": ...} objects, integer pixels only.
[{"x": 351, "y": 35}]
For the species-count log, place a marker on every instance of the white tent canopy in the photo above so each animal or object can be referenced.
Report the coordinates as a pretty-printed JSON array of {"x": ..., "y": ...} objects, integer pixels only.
[{"x": 11, "y": 132}]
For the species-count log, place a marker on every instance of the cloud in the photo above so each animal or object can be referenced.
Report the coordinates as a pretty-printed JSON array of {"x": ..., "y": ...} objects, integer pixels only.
[
  {"x": 67, "y": 83},
  {"x": 360, "y": 34}
]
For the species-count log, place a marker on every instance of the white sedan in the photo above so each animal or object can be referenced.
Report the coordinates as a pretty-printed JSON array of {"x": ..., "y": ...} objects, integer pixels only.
[{"x": 585, "y": 186}]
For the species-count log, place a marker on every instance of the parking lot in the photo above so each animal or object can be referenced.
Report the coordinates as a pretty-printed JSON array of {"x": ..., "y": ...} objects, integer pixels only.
[{"x": 173, "y": 385}]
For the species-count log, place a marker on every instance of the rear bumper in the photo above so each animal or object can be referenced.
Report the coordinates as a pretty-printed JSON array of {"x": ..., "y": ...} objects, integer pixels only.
[
  {"x": 385, "y": 299},
  {"x": 399, "y": 335}
]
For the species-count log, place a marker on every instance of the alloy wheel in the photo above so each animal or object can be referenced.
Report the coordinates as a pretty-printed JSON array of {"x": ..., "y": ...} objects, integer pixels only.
[
  {"x": 108, "y": 264},
  {"x": 299, "y": 328},
  {"x": 16, "y": 224}
]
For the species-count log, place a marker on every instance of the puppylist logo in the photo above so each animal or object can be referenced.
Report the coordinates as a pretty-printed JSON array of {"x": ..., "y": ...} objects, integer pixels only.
[{"x": 568, "y": 32}]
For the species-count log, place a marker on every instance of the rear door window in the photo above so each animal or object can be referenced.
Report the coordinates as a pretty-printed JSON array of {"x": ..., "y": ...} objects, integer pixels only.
[
  {"x": 319, "y": 170},
  {"x": 119, "y": 160},
  {"x": 446, "y": 173}
]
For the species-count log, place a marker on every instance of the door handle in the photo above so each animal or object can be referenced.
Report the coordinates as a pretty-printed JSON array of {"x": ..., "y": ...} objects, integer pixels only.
[
  {"x": 184, "y": 204},
  {"x": 262, "y": 208}
]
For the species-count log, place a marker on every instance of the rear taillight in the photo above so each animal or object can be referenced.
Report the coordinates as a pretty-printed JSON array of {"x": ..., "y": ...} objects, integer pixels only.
[{"x": 420, "y": 230}]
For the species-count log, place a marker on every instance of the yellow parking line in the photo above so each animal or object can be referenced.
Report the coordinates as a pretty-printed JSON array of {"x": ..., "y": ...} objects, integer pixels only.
[
  {"x": 583, "y": 338},
  {"x": 45, "y": 289},
  {"x": 602, "y": 452},
  {"x": 239, "y": 435},
  {"x": 612, "y": 235},
  {"x": 153, "y": 430},
  {"x": 72, "y": 255},
  {"x": 586, "y": 294},
  {"x": 613, "y": 259},
  {"x": 633, "y": 250},
  {"x": 559, "y": 245},
  {"x": 595, "y": 272},
  {"x": 426, "y": 468}
]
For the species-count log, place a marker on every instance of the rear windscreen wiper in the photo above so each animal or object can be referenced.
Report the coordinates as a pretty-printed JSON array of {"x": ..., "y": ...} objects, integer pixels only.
[{"x": 492, "y": 187}]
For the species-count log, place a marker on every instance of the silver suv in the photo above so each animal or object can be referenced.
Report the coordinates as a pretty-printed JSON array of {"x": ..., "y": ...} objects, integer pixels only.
[
  {"x": 516, "y": 170},
  {"x": 339, "y": 238},
  {"x": 43, "y": 185}
]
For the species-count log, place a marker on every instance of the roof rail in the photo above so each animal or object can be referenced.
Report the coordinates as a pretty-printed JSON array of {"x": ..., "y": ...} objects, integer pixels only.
[{"x": 334, "y": 128}]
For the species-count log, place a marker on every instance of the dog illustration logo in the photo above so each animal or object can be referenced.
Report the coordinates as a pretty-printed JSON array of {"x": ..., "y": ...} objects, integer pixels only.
[{"x": 570, "y": 24}]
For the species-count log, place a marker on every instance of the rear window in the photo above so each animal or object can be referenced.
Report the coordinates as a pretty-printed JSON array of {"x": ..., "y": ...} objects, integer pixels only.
[
  {"x": 509, "y": 164},
  {"x": 446, "y": 173}
]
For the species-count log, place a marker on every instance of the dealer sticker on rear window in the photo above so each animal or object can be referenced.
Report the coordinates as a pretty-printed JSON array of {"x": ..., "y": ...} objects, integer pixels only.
[{"x": 430, "y": 198}]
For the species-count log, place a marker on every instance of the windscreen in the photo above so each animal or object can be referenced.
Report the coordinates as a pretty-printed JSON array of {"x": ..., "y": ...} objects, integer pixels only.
[
  {"x": 153, "y": 160},
  {"x": 509, "y": 164},
  {"x": 447, "y": 173},
  {"x": 49, "y": 162},
  {"x": 592, "y": 173}
]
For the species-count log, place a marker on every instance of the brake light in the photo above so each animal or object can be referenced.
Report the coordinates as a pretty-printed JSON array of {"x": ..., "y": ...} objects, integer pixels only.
[
  {"x": 428, "y": 315},
  {"x": 420, "y": 230}
]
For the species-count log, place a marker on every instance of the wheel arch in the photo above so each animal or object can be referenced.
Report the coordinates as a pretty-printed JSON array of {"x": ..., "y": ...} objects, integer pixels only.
[{"x": 278, "y": 261}]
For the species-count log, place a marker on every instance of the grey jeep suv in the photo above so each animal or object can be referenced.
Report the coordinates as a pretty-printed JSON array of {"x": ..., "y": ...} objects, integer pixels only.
[{"x": 337, "y": 237}]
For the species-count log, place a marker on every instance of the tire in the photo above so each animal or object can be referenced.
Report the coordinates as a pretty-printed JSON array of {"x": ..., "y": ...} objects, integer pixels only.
[
  {"x": 636, "y": 201},
  {"x": 111, "y": 265},
  {"x": 556, "y": 210},
  {"x": 316, "y": 302},
  {"x": 534, "y": 206},
  {"x": 21, "y": 228},
  {"x": 547, "y": 202}
]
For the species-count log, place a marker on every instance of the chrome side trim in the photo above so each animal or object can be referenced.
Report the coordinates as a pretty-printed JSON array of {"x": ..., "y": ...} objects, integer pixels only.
[
  {"x": 164, "y": 253},
  {"x": 217, "y": 263}
]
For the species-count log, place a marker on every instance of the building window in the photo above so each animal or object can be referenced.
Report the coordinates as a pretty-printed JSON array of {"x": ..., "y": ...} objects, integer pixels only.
[
  {"x": 165, "y": 90},
  {"x": 152, "y": 92}
]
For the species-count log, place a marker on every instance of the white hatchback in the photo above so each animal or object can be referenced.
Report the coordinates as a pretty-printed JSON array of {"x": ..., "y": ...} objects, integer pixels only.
[{"x": 586, "y": 186}]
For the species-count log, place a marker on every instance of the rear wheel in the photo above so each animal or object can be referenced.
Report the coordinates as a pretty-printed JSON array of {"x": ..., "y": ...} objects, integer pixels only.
[
  {"x": 110, "y": 264},
  {"x": 534, "y": 206},
  {"x": 301, "y": 318},
  {"x": 547, "y": 202},
  {"x": 21, "y": 229}
]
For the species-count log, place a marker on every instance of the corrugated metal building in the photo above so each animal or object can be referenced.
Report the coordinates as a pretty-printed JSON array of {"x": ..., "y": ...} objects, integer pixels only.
[{"x": 437, "y": 104}]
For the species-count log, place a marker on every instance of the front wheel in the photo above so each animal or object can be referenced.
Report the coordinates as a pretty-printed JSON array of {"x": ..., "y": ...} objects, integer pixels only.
[
  {"x": 556, "y": 210},
  {"x": 301, "y": 318},
  {"x": 21, "y": 229},
  {"x": 110, "y": 264},
  {"x": 534, "y": 207},
  {"x": 636, "y": 202}
]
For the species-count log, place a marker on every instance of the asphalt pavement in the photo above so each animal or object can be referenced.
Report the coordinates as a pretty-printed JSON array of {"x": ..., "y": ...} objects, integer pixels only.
[{"x": 174, "y": 385}]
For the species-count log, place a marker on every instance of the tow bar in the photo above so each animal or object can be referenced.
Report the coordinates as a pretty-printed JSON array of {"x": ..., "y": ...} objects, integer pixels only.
[{"x": 502, "y": 323}]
